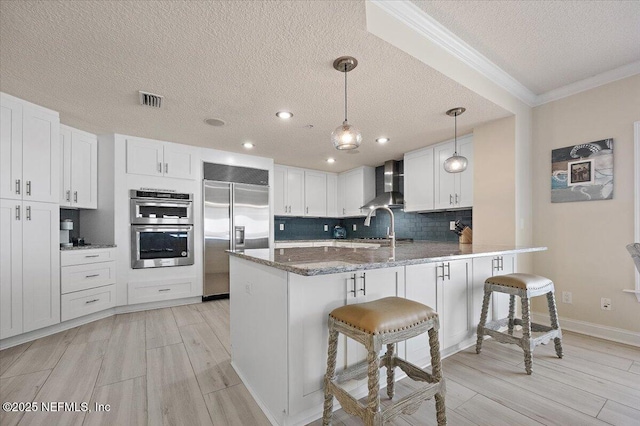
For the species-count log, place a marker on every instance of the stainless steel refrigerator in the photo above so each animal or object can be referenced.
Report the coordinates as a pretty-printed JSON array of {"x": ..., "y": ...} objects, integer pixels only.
[{"x": 236, "y": 217}]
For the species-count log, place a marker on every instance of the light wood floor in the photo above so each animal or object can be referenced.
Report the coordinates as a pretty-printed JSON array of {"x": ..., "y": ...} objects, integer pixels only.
[{"x": 172, "y": 366}]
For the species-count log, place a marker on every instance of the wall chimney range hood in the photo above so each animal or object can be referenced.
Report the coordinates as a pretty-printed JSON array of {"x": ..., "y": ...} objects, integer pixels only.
[{"x": 391, "y": 197}]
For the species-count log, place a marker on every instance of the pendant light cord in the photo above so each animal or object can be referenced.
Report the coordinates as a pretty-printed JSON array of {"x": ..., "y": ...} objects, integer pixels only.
[
  {"x": 345, "y": 92},
  {"x": 455, "y": 134}
]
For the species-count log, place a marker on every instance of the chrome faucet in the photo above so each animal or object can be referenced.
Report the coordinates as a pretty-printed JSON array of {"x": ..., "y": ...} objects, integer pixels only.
[{"x": 392, "y": 234}]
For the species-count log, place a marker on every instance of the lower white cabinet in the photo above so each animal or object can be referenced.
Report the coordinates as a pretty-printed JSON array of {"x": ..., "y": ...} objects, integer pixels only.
[
  {"x": 153, "y": 291},
  {"x": 454, "y": 302},
  {"x": 30, "y": 266},
  {"x": 420, "y": 286},
  {"x": 87, "y": 281},
  {"x": 483, "y": 268}
]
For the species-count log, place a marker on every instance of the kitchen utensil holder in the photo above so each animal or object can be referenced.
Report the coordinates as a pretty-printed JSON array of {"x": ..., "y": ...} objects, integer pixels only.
[{"x": 467, "y": 236}]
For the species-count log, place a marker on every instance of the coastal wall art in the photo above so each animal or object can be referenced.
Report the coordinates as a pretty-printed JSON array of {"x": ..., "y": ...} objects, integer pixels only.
[{"x": 582, "y": 172}]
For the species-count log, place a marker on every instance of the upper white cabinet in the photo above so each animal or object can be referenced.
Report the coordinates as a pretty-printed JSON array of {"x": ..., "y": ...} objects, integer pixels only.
[
  {"x": 418, "y": 180},
  {"x": 156, "y": 158},
  {"x": 29, "y": 151},
  {"x": 332, "y": 195},
  {"x": 79, "y": 171},
  {"x": 315, "y": 193},
  {"x": 355, "y": 188},
  {"x": 453, "y": 190},
  {"x": 289, "y": 191}
]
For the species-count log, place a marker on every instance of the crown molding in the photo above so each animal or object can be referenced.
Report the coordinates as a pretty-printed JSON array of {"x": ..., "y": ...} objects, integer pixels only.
[{"x": 418, "y": 20}]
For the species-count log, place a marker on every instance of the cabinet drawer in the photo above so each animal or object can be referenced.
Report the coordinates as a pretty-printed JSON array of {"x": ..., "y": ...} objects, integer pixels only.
[
  {"x": 151, "y": 291},
  {"x": 86, "y": 302},
  {"x": 82, "y": 257},
  {"x": 84, "y": 277}
]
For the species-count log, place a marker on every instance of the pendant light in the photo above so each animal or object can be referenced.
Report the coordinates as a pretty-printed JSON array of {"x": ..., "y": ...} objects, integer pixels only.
[
  {"x": 345, "y": 136},
  {"x": 456, "y": 163}
]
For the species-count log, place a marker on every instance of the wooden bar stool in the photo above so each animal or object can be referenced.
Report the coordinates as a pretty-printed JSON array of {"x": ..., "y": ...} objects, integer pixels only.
[
  {"x": 373, "y": 324},
  {"x": 525, "y": 286}
]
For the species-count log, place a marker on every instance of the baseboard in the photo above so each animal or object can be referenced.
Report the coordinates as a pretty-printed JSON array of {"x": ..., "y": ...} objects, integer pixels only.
[{"x": 590, "y": 329}]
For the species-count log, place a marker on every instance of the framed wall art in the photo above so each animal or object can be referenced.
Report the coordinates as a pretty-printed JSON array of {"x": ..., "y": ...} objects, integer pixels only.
[{"x": 582, "y": 172}]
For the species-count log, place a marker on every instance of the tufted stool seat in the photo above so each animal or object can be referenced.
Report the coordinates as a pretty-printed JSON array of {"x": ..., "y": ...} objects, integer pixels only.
[
  {"x": 525, "y": 286},
  {"x": 384, "y": 321}
]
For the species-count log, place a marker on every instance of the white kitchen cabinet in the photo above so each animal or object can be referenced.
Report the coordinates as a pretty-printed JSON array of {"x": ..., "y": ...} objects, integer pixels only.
[
  {"x": 29, "y": 151},
  {"x": 156, "y": 158},
  {"x": 289, "y": 189},
  {"x": 85, "y": 302},
  {"x": 355, "y": 188},
  {"x": 332, "y": 195},
  {"x": 419, "y": 180},
  {"x": 86, "y": 269},
  {"x": 79, "y": 168},
  {"x": 420, "y": 286},
  {"x": 454, "y": 301},
  {"x": 10, "y": 268},
  {"x": 483, "y": 268},
  {"x": 315, "y": 193},
  {"x": 453, "y": 190}
]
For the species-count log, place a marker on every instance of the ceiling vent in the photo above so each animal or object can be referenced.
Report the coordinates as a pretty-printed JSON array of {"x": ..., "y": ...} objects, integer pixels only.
[{"x": 149, "y": 99}]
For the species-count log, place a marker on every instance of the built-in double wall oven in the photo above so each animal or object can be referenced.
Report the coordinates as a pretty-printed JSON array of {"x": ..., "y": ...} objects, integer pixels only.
[{"x": 161, "y": 229}]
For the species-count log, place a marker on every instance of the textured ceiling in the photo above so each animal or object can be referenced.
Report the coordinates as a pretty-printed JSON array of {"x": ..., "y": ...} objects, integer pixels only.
[
  {"x": 235, "y": 60},
  {"x": 545, "y": 44}
]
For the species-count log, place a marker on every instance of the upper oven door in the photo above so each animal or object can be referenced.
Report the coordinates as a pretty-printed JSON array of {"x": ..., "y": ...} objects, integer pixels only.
[{"x": 161, "y": 212}]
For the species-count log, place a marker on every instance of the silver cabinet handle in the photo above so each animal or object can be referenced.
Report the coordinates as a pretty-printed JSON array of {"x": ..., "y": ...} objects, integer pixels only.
[
  {"x": 92, "y": 276},
  {"x": 17, "y": 212},
  {"x": 353, "y": 278},
  {"x": 159, "y": 167},
  {"x": 28, "y": 187},
  {"x": 92, "y": 301},
  {"x": 28, "y": 212},
  {"x": 438, "y": 267},
  {"x": 75, "y": 196},
  {"x": 501, "y": 262},
  {"x": 448, "y": 271},
  {"x": 68, "y": 198},
  {"x": 92, "y": 255},
  {"x": 343, "y": 211},
  {"x": 164, "y": 289},
  {"x": 364, "y": 283},
  {"x": 307, "y": 210},
  {"x": 17, "y": 186},
  {"x": 166, "y": 167},
  {"x": 456, "y": 198},
  {"x": 450, "y": 199}
]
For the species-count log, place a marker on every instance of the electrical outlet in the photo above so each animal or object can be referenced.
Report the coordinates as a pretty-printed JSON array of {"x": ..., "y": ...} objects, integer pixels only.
[
  {"x": 452, "y": 225},
  {"x": 567, "y": 297},
  {"x": 326, "y": 228},
  {"x": 605, "y": 304},
  {"x": 355, "y": 228},
  {"x": 282, "y": 226}
]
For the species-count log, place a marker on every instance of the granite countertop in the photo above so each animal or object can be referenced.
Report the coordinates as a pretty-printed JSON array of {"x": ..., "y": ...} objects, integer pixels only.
[
  {"x": 88, "y": 247},
  {"x": 332, "y": 260}
]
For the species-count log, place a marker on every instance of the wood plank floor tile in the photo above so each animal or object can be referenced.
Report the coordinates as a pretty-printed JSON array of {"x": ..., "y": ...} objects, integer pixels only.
[
  {"x": 635, "y": 367},
  {"x": 127, "y": 400},
  {"x": 234, "y": 406},
  {"x": 173, "y": 395},
  {"x": 210, "y": 360},
  {"x": 126, "y": 354},
  {"x": 72, "y": 380},
  {"x": 20, "y": 389},
  {"x": 485, "y": 411},
  {"x": 601, "y": 345},
  {"x": 161, "y": 328},
  {"x": 130, "y": 317},
  {"x": 619, "y": 415},
  {"x": 42, "y": 354},
  {"x": 9, "y": 355},
  {"x": 186, "y": 314},
  {"x": 218, "y": 320},
  {"x": 94, "y": 331},
  {"x": 456, "y": 393}
]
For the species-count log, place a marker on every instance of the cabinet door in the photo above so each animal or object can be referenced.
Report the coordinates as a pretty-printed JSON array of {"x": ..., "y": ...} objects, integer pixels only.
[
  {"x": 10, "y": 149},
  {"x": 10, "y": 268},
  {"x": 40, "y": 156},
  {"x": 464, "y": 187},
  {"x": 418, "y": 181},
  {"x": 332, "y": 195},
  {"x": 420, "y": 286},
  {"x": 280, "y": 191},
  {"x": 502, "y": 265},
  {"x": 84, "y": 170},
  {"x": 41, "y": 265},
  {"x": 456, "y": 324},
  {"x": 144, "y": 157},
  {"x": 353, "y": 192},
  {"x": 179, "y": 161},
  {"x": 295, "y": 191},
  {"x": 444, "y": 182},
  {"x": 65, "y": 166},
  {"x": 315, "y": 193},
  {"x": 482, "y": 269}
]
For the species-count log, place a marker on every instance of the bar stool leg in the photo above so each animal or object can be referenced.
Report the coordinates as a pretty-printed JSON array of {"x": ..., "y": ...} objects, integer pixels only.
[
  {"x": 553, "y": 314},
  {"x": 390, "y": 371},
  {"x": 526, "y": 334},
  {"x": 512, "y": 310},
  {"x": 436, "y": 372},
  {"x": 373, "y": 373},
  {"x": 483, "y": 319},
  {"x": 331, "y": 371}
]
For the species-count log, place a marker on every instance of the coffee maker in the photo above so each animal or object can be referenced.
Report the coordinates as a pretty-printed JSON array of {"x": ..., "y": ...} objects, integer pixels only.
[{"x": 66, "y": 226}]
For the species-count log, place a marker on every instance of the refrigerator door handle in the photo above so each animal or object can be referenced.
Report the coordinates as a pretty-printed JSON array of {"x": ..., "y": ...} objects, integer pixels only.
[{"x": 238, "y": 237}]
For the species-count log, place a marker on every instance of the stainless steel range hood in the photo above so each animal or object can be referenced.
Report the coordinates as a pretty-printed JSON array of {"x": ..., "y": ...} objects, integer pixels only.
[{"x": 391, "y": 197}]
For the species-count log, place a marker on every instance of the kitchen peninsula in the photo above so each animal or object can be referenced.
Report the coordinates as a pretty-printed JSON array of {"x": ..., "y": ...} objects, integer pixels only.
[{"x": 280, "y": 300}]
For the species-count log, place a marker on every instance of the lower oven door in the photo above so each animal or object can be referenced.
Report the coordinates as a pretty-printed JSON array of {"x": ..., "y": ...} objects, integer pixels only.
[{"x": 160, "y": 246}]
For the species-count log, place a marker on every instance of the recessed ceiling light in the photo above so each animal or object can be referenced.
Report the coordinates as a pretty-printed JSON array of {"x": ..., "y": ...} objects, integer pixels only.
[
  {"x": 248, "y": 145},
  {"x": 215, "y": 122},
  {"x": 284, "y": 114},
  {"x": 383, "y": 140},
  {"x": 331, "y": 160}
]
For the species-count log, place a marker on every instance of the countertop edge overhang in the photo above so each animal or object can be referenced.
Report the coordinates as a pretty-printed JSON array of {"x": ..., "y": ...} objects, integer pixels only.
[{"x": 316, "y": 257}]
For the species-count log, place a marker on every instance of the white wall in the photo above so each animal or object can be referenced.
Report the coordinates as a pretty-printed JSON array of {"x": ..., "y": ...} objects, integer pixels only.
[{"x": 587, "y": 240}]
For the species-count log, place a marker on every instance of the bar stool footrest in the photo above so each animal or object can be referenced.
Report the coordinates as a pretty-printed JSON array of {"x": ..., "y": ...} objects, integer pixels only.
[
  {"x": 355, "y": 372},
  {"x": 409, "y": 404}
]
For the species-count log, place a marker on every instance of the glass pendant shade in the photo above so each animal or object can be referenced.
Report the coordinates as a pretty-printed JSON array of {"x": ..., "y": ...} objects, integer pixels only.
[
  {"x": 346, "y": 137},
  {"x": 455, "y": 164}
]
